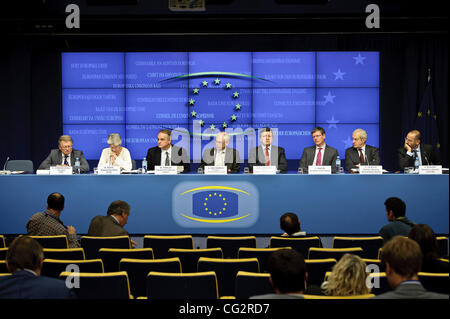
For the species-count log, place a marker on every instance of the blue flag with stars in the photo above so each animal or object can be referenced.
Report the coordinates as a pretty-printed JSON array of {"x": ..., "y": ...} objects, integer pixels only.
[{"x": 215, "y": 204}]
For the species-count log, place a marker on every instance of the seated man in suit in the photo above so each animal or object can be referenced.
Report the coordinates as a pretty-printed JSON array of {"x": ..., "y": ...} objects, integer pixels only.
[
  {"x": 413, "y": 148},
  {"x": 267, "y": 154},
  {"x": 65, "y": 155},
  {"x": 222, "y": 155},
  {"x": 166, "y": 154},
  {"x": 360, "y": 153},
  {"x": 24, "y": 260},
  {"x": 320, "y": 154},
  {"x": 403, "y": 260}
]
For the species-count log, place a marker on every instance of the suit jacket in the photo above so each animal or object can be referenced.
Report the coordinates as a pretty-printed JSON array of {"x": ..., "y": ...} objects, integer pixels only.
[
  {"x": 154, "y": 158},
  {"x": 26, "y": 285},
  {"x": 328, "y": 157},
  {"x": 352, "y": 157},
  {"x": 232, "y": 159},
  {"x": 257, "y": 157},
  {"x": 410, "y": 290},
  {"x": 427, "y": 153},
  {"x": 105, "y": 226},
  {"x": 56, "y": 157}
]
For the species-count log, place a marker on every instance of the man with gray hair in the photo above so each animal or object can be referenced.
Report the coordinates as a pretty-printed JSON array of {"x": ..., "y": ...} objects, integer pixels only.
[
  {"x": 222, "y": 155},
  {"x": 360, "y": 153},
  {"x": 65, "y": 155}
]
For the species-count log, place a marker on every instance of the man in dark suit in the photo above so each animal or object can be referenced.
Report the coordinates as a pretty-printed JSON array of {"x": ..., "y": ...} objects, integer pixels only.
[
  {"x": 413, "y": 148},
  {"x": 403, "y": 260},
  {"x": 24, "y": 260},
  {"x": 267, "y": 154},
  {"x": 222, "y": 155},
  {"x": 360, "y": 153},
  {"x": 65, "y": 155},
  {"x": 166, "y": 154},
  {"x": 320, "y": 154}
]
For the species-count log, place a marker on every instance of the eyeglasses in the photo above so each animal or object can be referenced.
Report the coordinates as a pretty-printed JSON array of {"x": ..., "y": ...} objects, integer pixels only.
[{"x": 66, "y": 147}]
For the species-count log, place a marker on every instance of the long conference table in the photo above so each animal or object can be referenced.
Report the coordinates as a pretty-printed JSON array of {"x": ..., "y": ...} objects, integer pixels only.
[{"x": 230, "y": 204}]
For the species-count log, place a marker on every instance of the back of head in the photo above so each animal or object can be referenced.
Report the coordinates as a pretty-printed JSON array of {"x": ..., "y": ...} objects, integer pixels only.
[
  {"x": 287, "y": 269},
  {"x": 403, "y": 256},
  {"x": 118, "y": 207},
  {"x": 55, "y": 201},
  {"x": 24, "y": 253},
  {"x": 348, "y": 277},
  {"x": 289, "y": 223},
  {"x": 396, "y": 205},
  {"x": 424, "y": 236}
]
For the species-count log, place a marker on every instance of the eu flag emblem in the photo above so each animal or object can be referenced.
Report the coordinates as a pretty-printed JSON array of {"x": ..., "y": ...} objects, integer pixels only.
[{"x": 215, "y": 204}]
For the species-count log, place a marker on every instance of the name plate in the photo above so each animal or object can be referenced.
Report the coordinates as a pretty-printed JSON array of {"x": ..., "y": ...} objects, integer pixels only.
[
  {"x": 42, "y": 172},
  {"x": 430, "y": 169},
  {"x": 319, "y": 170},
  {"x": 111, "y": 170},
  {"x": 264, "y": 170},
  {"x": 371, "y": 169},
  {"x": 166, "y": 170},
  {"x": 61, "y": 170},
  {"x": 215, "y": 170}
]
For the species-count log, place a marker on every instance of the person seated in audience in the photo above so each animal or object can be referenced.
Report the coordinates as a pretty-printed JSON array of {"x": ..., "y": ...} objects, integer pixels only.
[
  {"x": 222, "y": 155},
  {"x": 112, "y": 224},
  {"x": 290, "y": 224},
  {"x": 115, "y": 154},
  {"x": 424, "y": 236},
  {"x": 48, "y": 223},
  {"x": 360, "y": 153},
  {"x": 287, "y": 270},
  {"x": 24, "y": 260},
  {"x": 403, "y": 259},
  {"x": 399, "y": 224},
  {"x": 347, "y": 278},
  {"x": 65, "y": 155}
]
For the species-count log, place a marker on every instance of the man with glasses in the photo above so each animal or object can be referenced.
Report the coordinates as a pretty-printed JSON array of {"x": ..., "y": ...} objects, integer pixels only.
[
  {"x": 320, "y": 154},
  {"x": 65, "y": 155}
]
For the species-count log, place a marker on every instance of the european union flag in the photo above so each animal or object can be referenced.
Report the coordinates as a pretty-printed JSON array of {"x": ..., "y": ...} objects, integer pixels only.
[{"x": 215, "y": 204}]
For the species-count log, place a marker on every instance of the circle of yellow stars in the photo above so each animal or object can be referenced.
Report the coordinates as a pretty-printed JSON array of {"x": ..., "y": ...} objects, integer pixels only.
[{"x": 210, "y": 197}]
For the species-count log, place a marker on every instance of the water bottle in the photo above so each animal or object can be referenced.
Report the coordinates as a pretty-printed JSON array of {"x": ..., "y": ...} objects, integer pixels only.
[
  {"x": 77, "y": 165},
  {"x": 338, "y": 164},
  {"x": 144, "y": 165},
  {"x": 416, "y": 164}
]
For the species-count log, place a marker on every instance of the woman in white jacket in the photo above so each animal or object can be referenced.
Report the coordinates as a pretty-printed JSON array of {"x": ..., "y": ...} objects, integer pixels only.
[{"x": 115, "y": 154}]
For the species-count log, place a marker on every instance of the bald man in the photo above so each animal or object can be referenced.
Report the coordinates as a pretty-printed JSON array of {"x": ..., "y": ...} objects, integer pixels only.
[{"x": 413, "y": 148}]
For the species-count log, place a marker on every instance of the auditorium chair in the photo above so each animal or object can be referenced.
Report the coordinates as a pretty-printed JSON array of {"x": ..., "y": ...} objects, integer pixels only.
[
  {"x": 262, "y": 254},
  {"x": 316, "y": 269},
  {"x": 370, "y": 245},
  {"x": 138, "y": 269},
  {"x": 58, "y": 241},
  {"x": 442, "y": 243},
  {"x": 2, "y": 241},
  {"x": 435, "y": 282},
  {"x": 112, "y": 285},
  {"x": 20, "y": 165},
  {"x": 230, "y": 245},
  {"x": 381, "y": 284},
  {"x": 91, "y": 245},
  {"x": 336, "y": 253},
  {"x": 250, "y": 284},
  {"x": 375, "y": 262},
  {"x": 111, "y": 256},
  {"x": 366, "y": 296},
  {"x": 226, "y": 270},
  {"x": 54, "y": 267},
  {"x": 300, "y": 244},
  {"x": 199, "y": 285},
  {"x": 189, "y": 257},
  {"x": 162, "y": 244},
  {"x": 3, "y": 252},
  {"x": 64, "y": 253},
  {"x": 3, "y": 268}
]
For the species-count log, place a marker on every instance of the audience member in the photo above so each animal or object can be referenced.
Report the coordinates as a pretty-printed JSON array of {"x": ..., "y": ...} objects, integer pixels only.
[
  {"x": 424, "y": 236},
  {"x": 347, "y": 278},
  {"x": 402, "y": 258},
  {"x": 24, "y": 260},
  {"x": 48, "y": 223},
  {"x": 399, "y": 224},
  {"x": 287, "y": 270},
  {"x": 290, "y": 224}
]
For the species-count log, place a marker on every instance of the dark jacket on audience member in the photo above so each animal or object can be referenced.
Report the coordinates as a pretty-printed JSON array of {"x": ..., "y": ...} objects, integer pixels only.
[
  {"x": 401, "y": 226},
  {"x": 105, "y": 226}
]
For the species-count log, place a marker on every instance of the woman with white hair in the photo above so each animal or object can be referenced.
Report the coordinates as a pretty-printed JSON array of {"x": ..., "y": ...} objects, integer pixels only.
[{"x": 115, "y": 154}]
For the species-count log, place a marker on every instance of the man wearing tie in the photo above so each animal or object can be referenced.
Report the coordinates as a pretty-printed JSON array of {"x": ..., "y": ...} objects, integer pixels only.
[
  {"x": 65, "y": 155},
  {"x": 320, "y": 154},
  {"x": 267, "y": 154},
  {"x": 360, "y": 153},
  {"x": 166, "y": 154},
  {"x": 222, "y": 155},
  {"x": 413, "y": 148}
]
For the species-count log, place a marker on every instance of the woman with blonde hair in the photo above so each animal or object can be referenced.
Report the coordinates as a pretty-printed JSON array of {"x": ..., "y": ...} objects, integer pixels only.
[{"x": 347, "y": 278}]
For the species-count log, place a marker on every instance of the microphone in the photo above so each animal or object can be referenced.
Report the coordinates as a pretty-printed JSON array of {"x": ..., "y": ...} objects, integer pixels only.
[
  {"x": 367, "y": 160},
  {"x": 4, "y": 166},
  {"x": 428, "y": 163},
  {"x": 5, "y": 172}
]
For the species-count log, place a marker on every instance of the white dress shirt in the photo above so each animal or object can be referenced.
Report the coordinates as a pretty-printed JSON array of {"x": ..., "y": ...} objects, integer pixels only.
[
  {"x": 68, "y": 159},
  {"x": 123, "y": 160},
  {"x": 317, "y": 152},
  {"x": 163, "y": 156},
  {"x": 219, "y": 157}
]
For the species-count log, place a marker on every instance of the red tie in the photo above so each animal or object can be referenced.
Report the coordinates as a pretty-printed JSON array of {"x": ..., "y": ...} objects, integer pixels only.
[
  {"x": 361, "y": 156},
  {"x": 267, "y": 157},
  {"x": 319, "y": 157}
]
